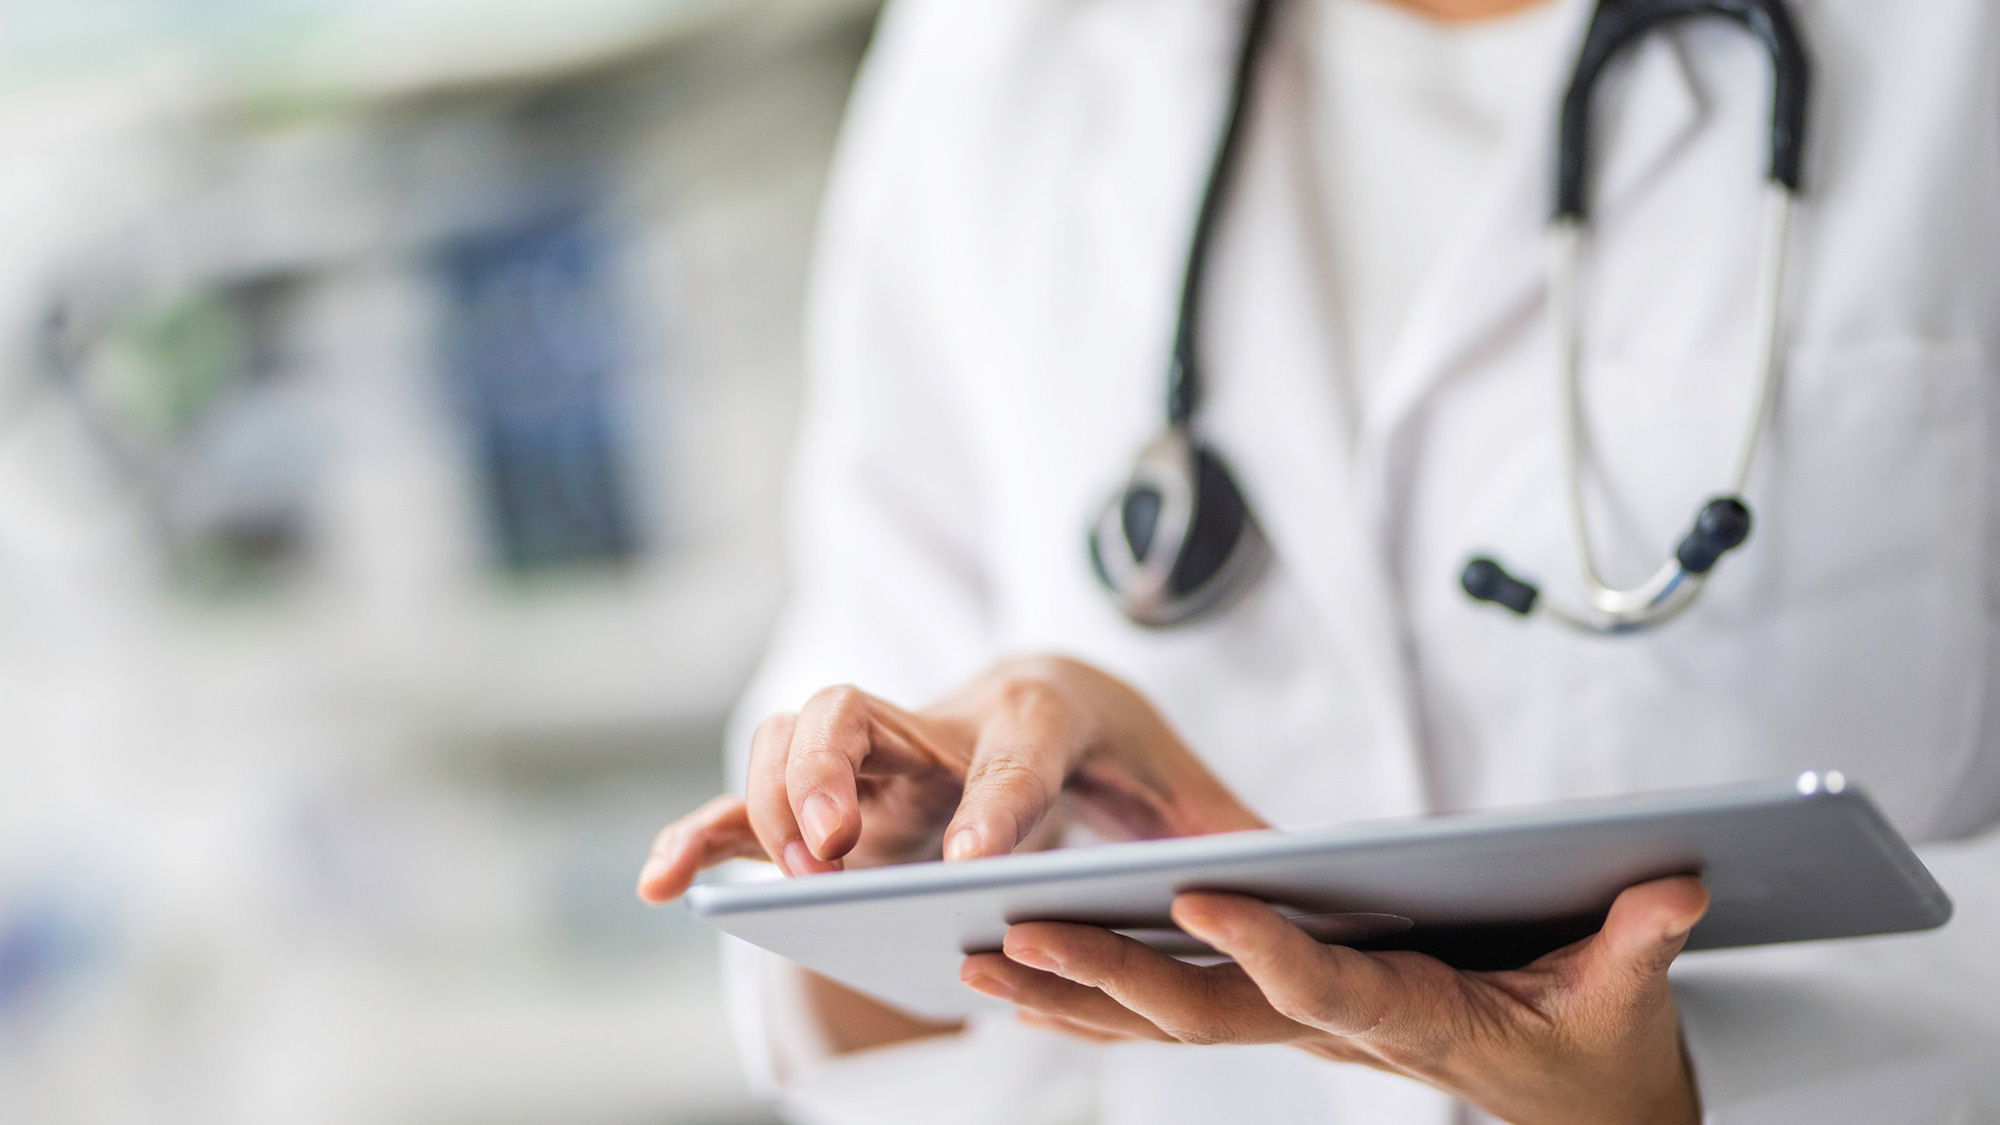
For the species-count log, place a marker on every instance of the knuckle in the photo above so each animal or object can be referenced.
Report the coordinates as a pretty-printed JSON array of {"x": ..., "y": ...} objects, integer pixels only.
[
  {"x": 1310, "y": 1007},
  {"x": 1207, "y": 1028},
  {"x": 1039, "y": 993},
  {"x": 774, "y": 728},
  {"x": 1093, "y": 963},
  {"x": 1010, "y": 789},
  {"x": 1430, "y": 1046},
  {"x": 840, "y": 699},
  {"x": 835, "y": 717},
  {"x": 1200, "y": 1034},
  {"x": 1025, "y": 693},
  {"x": 1420, "y": 1054},
  {"x": 1008, "y": 775},
  {"x": 1116, "y": 958},
  {"x": 1215, "y": 987},
  {"x": 1320, "y": 1006},
  {"x": 814, "y": 760}
]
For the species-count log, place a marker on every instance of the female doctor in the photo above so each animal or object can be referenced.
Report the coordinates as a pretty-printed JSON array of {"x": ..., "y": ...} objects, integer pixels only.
[{"x": 1768, "y": 297}]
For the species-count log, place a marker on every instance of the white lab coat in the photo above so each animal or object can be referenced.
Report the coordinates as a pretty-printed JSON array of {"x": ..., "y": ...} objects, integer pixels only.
[{"x": 990, "y": 327}]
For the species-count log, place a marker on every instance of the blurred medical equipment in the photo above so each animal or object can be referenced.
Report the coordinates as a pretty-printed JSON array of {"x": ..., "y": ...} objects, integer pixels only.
[{"x": 1180, "y": 539}]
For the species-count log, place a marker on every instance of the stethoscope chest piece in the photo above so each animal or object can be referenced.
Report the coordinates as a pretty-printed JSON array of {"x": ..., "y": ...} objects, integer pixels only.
[{"x": 1178, "y": 540}]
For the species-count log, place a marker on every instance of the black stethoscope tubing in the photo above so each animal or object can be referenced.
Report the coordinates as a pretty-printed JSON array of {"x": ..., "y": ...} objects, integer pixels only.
[
  {"x": 1141, "y": 545},
  {"x": 1184, "y": 376}
]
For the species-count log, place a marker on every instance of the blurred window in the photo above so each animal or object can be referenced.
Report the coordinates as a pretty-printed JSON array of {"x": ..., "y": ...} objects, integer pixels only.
[{"x": 531, "y": 346}]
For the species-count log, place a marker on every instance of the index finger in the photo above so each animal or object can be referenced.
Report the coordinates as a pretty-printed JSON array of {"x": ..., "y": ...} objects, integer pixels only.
[
  {"x": 1331, "y": 987},
  {"x": 832, "y": 737},
  {"x": 770, "y": 811},
  {"x": 1022, "y": 757}
]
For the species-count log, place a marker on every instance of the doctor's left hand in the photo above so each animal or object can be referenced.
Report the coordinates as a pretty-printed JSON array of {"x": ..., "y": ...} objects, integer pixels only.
[
  {"x": 1587, "y": 1034},
  {"x": 852, "y": 780}
]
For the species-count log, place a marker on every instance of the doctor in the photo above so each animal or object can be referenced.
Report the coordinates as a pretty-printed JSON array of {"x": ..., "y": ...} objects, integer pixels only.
[{"x": 1393, "y": 378}]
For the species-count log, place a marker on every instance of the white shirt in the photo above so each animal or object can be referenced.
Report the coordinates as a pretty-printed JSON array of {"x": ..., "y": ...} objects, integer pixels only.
[{"x": 1409, "y": 115}]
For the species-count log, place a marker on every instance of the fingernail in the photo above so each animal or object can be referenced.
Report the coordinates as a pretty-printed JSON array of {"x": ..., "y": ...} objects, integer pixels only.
[
  {"x": 988, "y": 986},
  {"x": 1193, "y": 920},
  {"x": 1190, "y": 919},
  {"x": 819, "y": 818},
  {"x": 964, "y": 844},
  {"x": 1034, "y": 959},
  {"x": 799, "y": 859}
]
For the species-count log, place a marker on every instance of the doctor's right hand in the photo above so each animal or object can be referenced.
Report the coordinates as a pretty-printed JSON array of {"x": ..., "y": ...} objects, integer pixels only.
[{"x": 852, "y": 780}]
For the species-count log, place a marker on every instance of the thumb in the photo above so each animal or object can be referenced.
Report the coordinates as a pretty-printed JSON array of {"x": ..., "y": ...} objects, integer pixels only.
[
  {"x": 1645, "y": 930},
  {"x": 716, "y": 832}
]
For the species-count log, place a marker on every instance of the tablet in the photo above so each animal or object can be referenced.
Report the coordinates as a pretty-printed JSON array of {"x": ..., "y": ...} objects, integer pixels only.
[{"x": 1784, "y": 861}]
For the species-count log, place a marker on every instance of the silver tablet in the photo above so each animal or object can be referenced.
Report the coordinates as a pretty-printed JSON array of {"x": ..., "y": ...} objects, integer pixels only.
[{"x": 1786, "y": 861}]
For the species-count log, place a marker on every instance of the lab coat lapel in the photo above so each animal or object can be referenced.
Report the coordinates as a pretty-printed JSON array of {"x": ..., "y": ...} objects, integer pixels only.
[
  {"x": 1275, "y": 408},
  {"x": 1493, "y": 281},
  {"x": 1272, "y": 405}
]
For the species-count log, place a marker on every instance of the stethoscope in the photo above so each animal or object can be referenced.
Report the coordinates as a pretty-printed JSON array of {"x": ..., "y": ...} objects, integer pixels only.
[{"x": 1180, "y": 540}]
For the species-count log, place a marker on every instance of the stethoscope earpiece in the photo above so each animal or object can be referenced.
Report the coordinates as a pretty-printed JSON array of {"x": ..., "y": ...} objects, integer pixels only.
[
  {"x": 1722, "y": 525},
  {"x": 1485, "y": 580}
]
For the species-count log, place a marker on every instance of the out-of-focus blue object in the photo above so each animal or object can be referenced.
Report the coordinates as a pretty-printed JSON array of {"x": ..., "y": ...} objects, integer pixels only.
[
  {"x": 49, "y": 939},
  {"x": 531, "y": 347}
]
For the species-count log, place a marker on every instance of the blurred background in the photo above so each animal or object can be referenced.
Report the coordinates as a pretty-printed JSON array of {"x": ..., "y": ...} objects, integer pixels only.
[{"x": 394, "y": 397}]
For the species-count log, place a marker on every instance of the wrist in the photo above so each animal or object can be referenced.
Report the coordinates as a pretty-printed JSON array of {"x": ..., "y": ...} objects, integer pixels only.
[
  {"x": 1204, "y": 807},
  {"x": 1183, "y": 797},
  {"x": 1688, "y": 1111},
  {"x": 1641, "y": 1084}
]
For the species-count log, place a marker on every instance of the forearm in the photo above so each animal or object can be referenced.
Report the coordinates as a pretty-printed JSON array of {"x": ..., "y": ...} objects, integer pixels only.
[{"x": 849, "y": 1021}]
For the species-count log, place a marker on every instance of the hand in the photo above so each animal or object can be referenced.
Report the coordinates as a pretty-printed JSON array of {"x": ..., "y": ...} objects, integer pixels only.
[
  {"x": 1587, "y": 1034},
  {"x": 854, "y": 780}
]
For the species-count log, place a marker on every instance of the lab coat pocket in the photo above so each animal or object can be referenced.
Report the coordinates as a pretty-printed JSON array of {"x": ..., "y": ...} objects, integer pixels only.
[{"x": 1863, "y": 608}]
